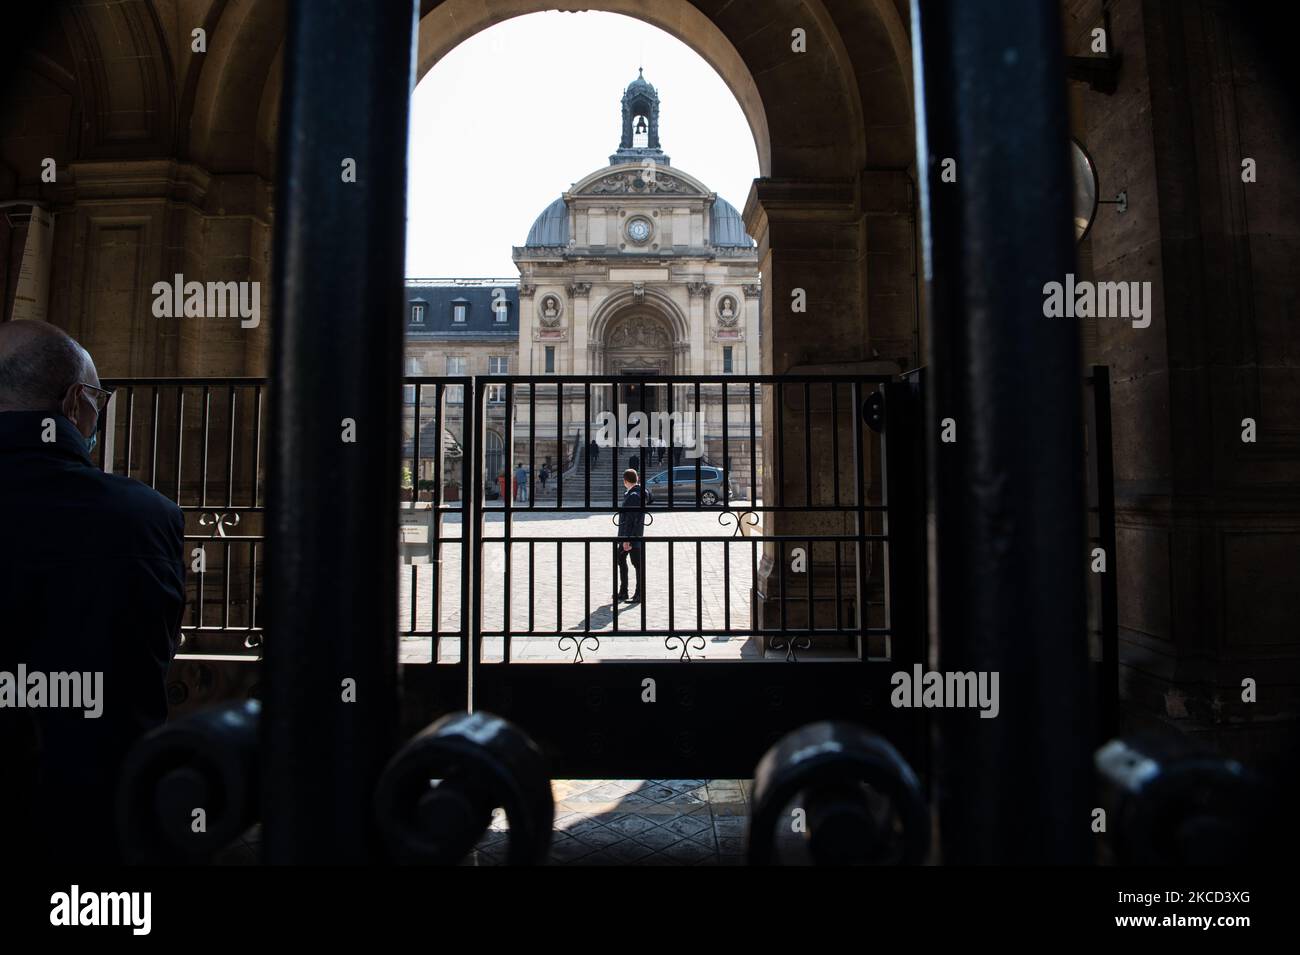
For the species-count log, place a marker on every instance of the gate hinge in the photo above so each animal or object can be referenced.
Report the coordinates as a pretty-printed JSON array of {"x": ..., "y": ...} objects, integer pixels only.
[{"x": 873, "y": 411}]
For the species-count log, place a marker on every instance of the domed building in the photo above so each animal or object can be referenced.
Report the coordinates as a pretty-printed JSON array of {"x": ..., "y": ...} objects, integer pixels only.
[{"x": 637, "y": 269}]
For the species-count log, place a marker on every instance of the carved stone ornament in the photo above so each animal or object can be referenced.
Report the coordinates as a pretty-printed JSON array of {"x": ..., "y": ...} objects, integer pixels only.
[
  {"x": 703, "y": 289},
  {"x": 550, "y": 309},
  {"x": 578, "y": 289},
  {"x": 646, "y": 181},
  {"x": 752, "y": 291},
  {"x": 638, "y": 292},
  {"x": 728, "y": 311},
  {"x": 631, "y": 335}
]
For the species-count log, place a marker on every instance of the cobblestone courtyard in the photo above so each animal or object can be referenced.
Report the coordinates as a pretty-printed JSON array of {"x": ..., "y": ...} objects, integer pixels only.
[{"x": 550, "y": 593}]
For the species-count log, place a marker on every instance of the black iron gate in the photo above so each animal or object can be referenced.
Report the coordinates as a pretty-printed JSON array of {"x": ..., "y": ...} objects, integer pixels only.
[
  {"x": 758, "y": 615},
  {"x": 761, "y": 614}
]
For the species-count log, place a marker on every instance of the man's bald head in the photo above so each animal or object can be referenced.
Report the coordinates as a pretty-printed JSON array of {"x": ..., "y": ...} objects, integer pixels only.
[{"x": 38, "y": 364}]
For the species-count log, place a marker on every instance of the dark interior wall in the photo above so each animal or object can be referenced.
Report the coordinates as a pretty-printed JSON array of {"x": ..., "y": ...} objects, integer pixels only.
[{"x": 1205, "y": 520}]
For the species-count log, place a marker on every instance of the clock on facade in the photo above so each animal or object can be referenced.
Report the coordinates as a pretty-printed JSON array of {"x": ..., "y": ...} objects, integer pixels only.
[{"x": 638, "y": 230}]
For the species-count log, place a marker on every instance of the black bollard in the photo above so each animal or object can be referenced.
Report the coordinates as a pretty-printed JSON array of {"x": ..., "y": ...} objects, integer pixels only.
[
  {"x": 437, "y": 796},
  {"x": 190, "y": 787},
  {"x": 861, "y": 802}
]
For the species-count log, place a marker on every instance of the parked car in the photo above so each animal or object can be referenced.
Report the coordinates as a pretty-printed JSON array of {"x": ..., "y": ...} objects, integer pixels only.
[{"x": 708, "y": 491}]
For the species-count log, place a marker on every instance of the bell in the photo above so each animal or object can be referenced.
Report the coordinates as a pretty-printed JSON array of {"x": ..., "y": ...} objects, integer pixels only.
[{"x": 640, "y": 125}]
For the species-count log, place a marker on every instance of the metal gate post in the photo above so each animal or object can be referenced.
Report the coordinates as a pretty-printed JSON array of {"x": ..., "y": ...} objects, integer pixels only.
[
  {"x": 1008, "y": 493},
  {"x": 332, "y": 509},
  {"x": 1104, "y": 468},
  {"x": 903, "y": 466}
]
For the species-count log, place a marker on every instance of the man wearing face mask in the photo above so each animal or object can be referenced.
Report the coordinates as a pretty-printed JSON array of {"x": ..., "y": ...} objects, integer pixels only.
[{"x": 91, "y": 581}]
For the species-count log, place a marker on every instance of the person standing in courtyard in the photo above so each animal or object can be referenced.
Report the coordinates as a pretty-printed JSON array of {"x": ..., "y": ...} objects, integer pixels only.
[
  {"x": 631, "y": 534},
  {"x": 521, "y": 482}
]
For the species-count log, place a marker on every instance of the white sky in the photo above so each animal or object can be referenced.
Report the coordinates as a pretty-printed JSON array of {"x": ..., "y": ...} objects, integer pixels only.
[{"x": 518, "y": 113}]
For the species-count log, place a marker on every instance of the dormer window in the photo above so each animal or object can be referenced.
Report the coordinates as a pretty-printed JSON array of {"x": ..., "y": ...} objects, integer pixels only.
[
  {"x": 458, "y": 313},
  {"x": 417, "y": 314},
  {"x": 503, "y": 313}
]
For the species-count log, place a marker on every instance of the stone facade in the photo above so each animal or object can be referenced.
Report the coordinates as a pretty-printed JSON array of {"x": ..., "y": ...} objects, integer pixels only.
[{"x": 639, "y": 268}]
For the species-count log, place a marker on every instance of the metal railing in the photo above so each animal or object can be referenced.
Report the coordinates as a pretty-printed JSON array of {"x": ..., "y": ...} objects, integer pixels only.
[
  {"x": 200, "y": 443},
  {"x": 816, "y": 580},
  {"x": 774, "y": 572}
]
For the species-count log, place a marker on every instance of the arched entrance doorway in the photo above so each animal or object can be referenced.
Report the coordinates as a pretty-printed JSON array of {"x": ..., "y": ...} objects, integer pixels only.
[{"x": 639, "y": 342}]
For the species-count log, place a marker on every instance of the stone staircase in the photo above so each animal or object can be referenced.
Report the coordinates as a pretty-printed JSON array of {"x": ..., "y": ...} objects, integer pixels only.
[{"x": 606, "y": 486}]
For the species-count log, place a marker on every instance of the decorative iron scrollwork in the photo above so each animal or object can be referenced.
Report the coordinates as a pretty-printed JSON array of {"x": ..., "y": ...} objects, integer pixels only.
[
  {"x": 789, "y": 645},
  {"x": 687, "y": 644},
  {"x": 649, "y": 518},
  {"x": 219, "y": 521},
  {"x": 577, "y": 644},
  {"x": 740, "y": 517}
]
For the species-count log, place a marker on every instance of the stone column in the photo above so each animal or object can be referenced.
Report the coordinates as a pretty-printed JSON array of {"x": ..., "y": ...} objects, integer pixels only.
[
  {"x": 699, "y": 292},
  {"x": 810, "y": 247},
  {"x": 580, "y": 303}
]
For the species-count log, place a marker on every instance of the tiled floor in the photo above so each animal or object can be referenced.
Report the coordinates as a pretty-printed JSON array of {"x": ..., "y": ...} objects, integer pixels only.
[
  {"x": 615, "y": 822},
  {"x": 639, "y": 822}
]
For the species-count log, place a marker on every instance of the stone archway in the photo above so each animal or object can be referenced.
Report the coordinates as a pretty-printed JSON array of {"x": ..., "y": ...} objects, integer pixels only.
[{"x": 639, "y": 342}]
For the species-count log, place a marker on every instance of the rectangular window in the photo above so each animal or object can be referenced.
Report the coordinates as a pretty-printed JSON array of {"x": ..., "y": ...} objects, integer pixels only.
[
  {"x": 726, "y": 360},
  {"x": 497, "y": 365},
  {"x": 550, "y": 359},
  {"x": 458, "y": 314},
  {"x": 503, "y": 313},
  {"x": 455, "y": 368},
  {"x": 408, "y": 394},
  {"x": 417, "y": 314}
]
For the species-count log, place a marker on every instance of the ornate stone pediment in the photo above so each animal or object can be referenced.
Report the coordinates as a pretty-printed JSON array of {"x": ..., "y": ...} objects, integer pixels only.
[{"x": 641, "y": 182}]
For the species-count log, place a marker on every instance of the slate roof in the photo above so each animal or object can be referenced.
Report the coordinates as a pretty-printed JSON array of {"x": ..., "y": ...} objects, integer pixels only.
[{"x": 480, "y": 321}]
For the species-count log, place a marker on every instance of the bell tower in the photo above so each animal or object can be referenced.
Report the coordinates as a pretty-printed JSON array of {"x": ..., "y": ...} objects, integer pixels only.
[{"x": 640, "y": 140}]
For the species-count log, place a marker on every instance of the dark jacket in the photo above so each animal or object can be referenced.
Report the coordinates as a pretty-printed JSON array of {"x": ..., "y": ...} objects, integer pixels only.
[
  {"x": 631, "y": 515},
  {"x": 91, "y": 579}
]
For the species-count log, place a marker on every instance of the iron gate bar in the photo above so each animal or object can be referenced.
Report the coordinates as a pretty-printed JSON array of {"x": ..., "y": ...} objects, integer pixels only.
[
  {"x": 859, "y": 463},
  {"x": 180, "y": 444},
  {"x": 835, "y": 448},
  {"x": 1104, "y": 470},
  {"x": 642, "y": 587},
  {"x": 332, "y": 585},
  {"x": 1008, "y": 494}
]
